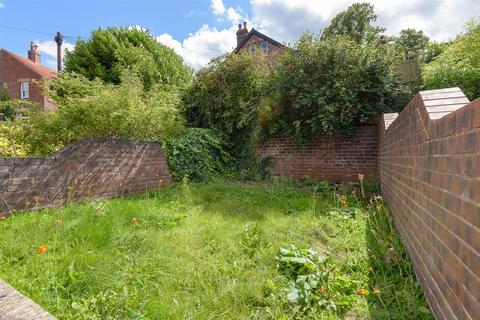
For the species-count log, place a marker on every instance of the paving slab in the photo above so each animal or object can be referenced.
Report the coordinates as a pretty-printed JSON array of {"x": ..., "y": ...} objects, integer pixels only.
[{"x": 15, "y": 306}]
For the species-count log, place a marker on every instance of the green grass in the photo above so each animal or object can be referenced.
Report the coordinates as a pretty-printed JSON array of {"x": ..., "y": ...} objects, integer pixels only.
[{"x": 208, "y": 251}]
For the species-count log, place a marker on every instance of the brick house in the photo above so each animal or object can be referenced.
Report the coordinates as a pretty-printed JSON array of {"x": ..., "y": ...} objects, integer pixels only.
[
  {"x": 254, "y": 40},
  {"x": 18, "y": 75}
]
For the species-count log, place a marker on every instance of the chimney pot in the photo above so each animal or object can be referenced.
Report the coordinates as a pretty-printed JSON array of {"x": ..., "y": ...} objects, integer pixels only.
[
  {"x": 245, "y": 25},
  {"x": 239, "y": 26}
]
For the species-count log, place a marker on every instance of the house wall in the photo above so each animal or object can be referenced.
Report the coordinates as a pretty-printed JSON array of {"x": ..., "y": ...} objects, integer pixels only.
[
  {"x": 429, "y": 165},
  {"x": 12, "y": 72},
  {"x": 88, "y": 169},
  {"x": 334, "y": 158},
  {"x": 273, "y": 50}
]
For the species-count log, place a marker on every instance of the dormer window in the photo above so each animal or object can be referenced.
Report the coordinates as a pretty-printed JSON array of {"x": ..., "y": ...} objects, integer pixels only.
[
  {"x": 24, "y": 90},
  {"x": 264, "y": 47}
]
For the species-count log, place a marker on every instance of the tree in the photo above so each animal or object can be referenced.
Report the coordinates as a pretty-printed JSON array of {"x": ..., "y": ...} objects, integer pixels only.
[
  {"x": 108, "y": 52},
  {"x": 227, "y": 95},
  {"x": 355, "y": 22},
  {"x": 458, "y": 64},
  {"x": 412, "y": 42},
  {"x": 329, "y": 86}
]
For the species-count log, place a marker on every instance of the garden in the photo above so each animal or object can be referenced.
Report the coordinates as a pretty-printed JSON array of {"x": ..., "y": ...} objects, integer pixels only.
[{"x": 221, "y": 250}]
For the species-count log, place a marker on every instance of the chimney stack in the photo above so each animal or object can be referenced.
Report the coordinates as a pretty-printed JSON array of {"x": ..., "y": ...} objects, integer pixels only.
[
  {"x": 34, "y": 54},
  {"x": 241, "y": 33},
  {"x": 59, "y": 41}
]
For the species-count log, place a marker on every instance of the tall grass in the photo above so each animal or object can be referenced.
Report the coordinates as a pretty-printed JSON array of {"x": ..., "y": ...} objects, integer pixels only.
[{"x": 206, "y": 251}]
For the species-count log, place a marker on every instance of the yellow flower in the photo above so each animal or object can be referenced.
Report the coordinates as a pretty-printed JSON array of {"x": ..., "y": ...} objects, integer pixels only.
[
  {"x": 135, "y": 222},
  {"x": 376, "y": 292},
  {"x": 379, "y": 206},
  {"x": 323, "y": 290},
  {"x": 58, "y": 221},
  {"x": 42, "y": 249},
  {"x": 370, "y": 269},
  {"x": 343, "y": 201}
]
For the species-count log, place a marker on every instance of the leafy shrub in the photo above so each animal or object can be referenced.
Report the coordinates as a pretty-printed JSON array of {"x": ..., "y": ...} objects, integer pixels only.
[
  {"x": 458, "y": 64},
  {"x": 317, "y": 285},
  {"x": 108, "y": 53},
  {"x": 331, "y": 86},
  {"x": 91, "y": 108},
  {"x": 199, "y": 155},
  {"x": 10, "y": 136},
  {"x": 227, "y": 95}
]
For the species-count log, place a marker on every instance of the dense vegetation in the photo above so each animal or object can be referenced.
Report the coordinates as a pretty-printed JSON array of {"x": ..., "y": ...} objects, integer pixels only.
[
  {"x": 215, "y": 251},
  {"x": 458, "y": 64},
  {"x": 107, "y": 53}
]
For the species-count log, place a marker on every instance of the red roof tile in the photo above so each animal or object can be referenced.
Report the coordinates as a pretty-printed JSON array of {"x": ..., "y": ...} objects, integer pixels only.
[{"x": 35, "y": 67}]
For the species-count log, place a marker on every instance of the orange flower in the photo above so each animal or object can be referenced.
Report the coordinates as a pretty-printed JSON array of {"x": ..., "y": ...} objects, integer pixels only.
[
  {"x": 42, "y": 249},
  {"x": 343, "y": 201},
  {"x": 135, "y": 222},
  {"x": 58, "y": 221},
  {"x": 362, "y": 292},
  {"x": 323, "y": 290},
  {"x": 376, "y": 292}
]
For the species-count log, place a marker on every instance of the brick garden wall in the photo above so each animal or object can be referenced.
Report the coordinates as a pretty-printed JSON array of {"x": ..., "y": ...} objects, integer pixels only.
[
  {"x": 90, "y": 168},
  {"x": 327, "y": 157},
  {"x": 429, "y": 164}
]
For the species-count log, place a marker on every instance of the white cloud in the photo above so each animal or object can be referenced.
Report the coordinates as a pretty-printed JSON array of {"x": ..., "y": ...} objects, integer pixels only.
[
  {"x": 49, "y": 48},
  {"x": 231, "y": 14},
  {"x": 218, "y": 7},
  {"x": 200, "y": 47},
  {"x": 286, "y": 20}
]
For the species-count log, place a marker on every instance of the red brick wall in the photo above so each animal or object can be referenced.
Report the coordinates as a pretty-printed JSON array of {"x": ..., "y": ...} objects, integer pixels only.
[
  {"x": 88, "y": 169},
  {"x": 12, "y": 71},
  {"x": 327, "y": 157},
  {"x": 429, "y": 164},
  {"x": 273, "y": 50}
]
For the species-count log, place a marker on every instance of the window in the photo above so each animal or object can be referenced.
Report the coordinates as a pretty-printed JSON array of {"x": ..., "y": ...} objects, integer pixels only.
[
  {"x": 24, "y": 90},
  {"x": 252, "y": 48},
  {"x": 264, "y": 46}
]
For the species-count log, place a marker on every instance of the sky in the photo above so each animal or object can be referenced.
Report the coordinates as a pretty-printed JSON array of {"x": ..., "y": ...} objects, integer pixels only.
[{"x": 200, "y": 30}]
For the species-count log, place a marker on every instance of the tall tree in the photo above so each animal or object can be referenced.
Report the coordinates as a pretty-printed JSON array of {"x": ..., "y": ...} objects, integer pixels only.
[
  {"x": 108, "y": 52},
  {"x": 411, "y": 42},
  {"x": 355, "y": 22}
]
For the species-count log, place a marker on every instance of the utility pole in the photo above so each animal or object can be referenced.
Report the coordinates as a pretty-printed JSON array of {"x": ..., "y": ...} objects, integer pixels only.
[{"x": 59, "y": 41}]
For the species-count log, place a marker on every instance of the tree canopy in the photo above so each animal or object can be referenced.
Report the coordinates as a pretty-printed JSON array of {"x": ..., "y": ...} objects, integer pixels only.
[
  {"x": 458, "y": 64},
  {"x": 355, "y": 22},
  {"x": 110, "y": 51}
]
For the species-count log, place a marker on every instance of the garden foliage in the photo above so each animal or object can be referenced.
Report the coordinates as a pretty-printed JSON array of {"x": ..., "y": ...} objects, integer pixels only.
[
  {"x": 198, "y": 155},
  {"x": 458, "y": 64},
  {"x": 92, "y": 108},
  {"x": 108, "y": 52},
  {"x": 327, "y": 86}
]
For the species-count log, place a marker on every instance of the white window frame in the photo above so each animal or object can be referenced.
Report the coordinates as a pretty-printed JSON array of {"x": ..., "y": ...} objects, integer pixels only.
[
  {"x": 24, "y": 90},
  {"x": 264, "y": 47}
]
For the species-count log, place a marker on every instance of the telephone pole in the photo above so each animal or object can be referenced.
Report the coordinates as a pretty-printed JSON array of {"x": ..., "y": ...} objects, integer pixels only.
[{"x": 59, "y": 41}]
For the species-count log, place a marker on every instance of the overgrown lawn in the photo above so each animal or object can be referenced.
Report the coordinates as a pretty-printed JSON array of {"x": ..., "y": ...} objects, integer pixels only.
[{"x": 212, "y": 251}]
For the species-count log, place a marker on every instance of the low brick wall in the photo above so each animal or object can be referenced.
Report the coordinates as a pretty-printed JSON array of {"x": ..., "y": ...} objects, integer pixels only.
[
  {"x": 429, "y": 164},
  {"x": 88, "y": 169},
  {"x": 333, "y": 158}
]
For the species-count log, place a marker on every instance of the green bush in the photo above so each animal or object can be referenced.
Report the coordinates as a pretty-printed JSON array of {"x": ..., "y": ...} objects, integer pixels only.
[
  {"x": 199, "y": 155},
  {"x": 458, "y": 64},
  {"x": 107, "y": 53},
  {"x": 91, "y": 108},
  {"x": 228, "y": 96},
  {"x": 331, "y": 85}
]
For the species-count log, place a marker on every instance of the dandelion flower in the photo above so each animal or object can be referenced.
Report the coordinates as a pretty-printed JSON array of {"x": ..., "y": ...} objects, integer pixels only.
[
  {"x": 42, "y": 249},
  {"x": 370, "y": 269},
  {"x": 376, "y": 292},
  {"x": 343, "y": 201},
  {"x": 323, "y": 290},
  {"x": 135, "y": 222},
  {"x": 58, "y": 221}
]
